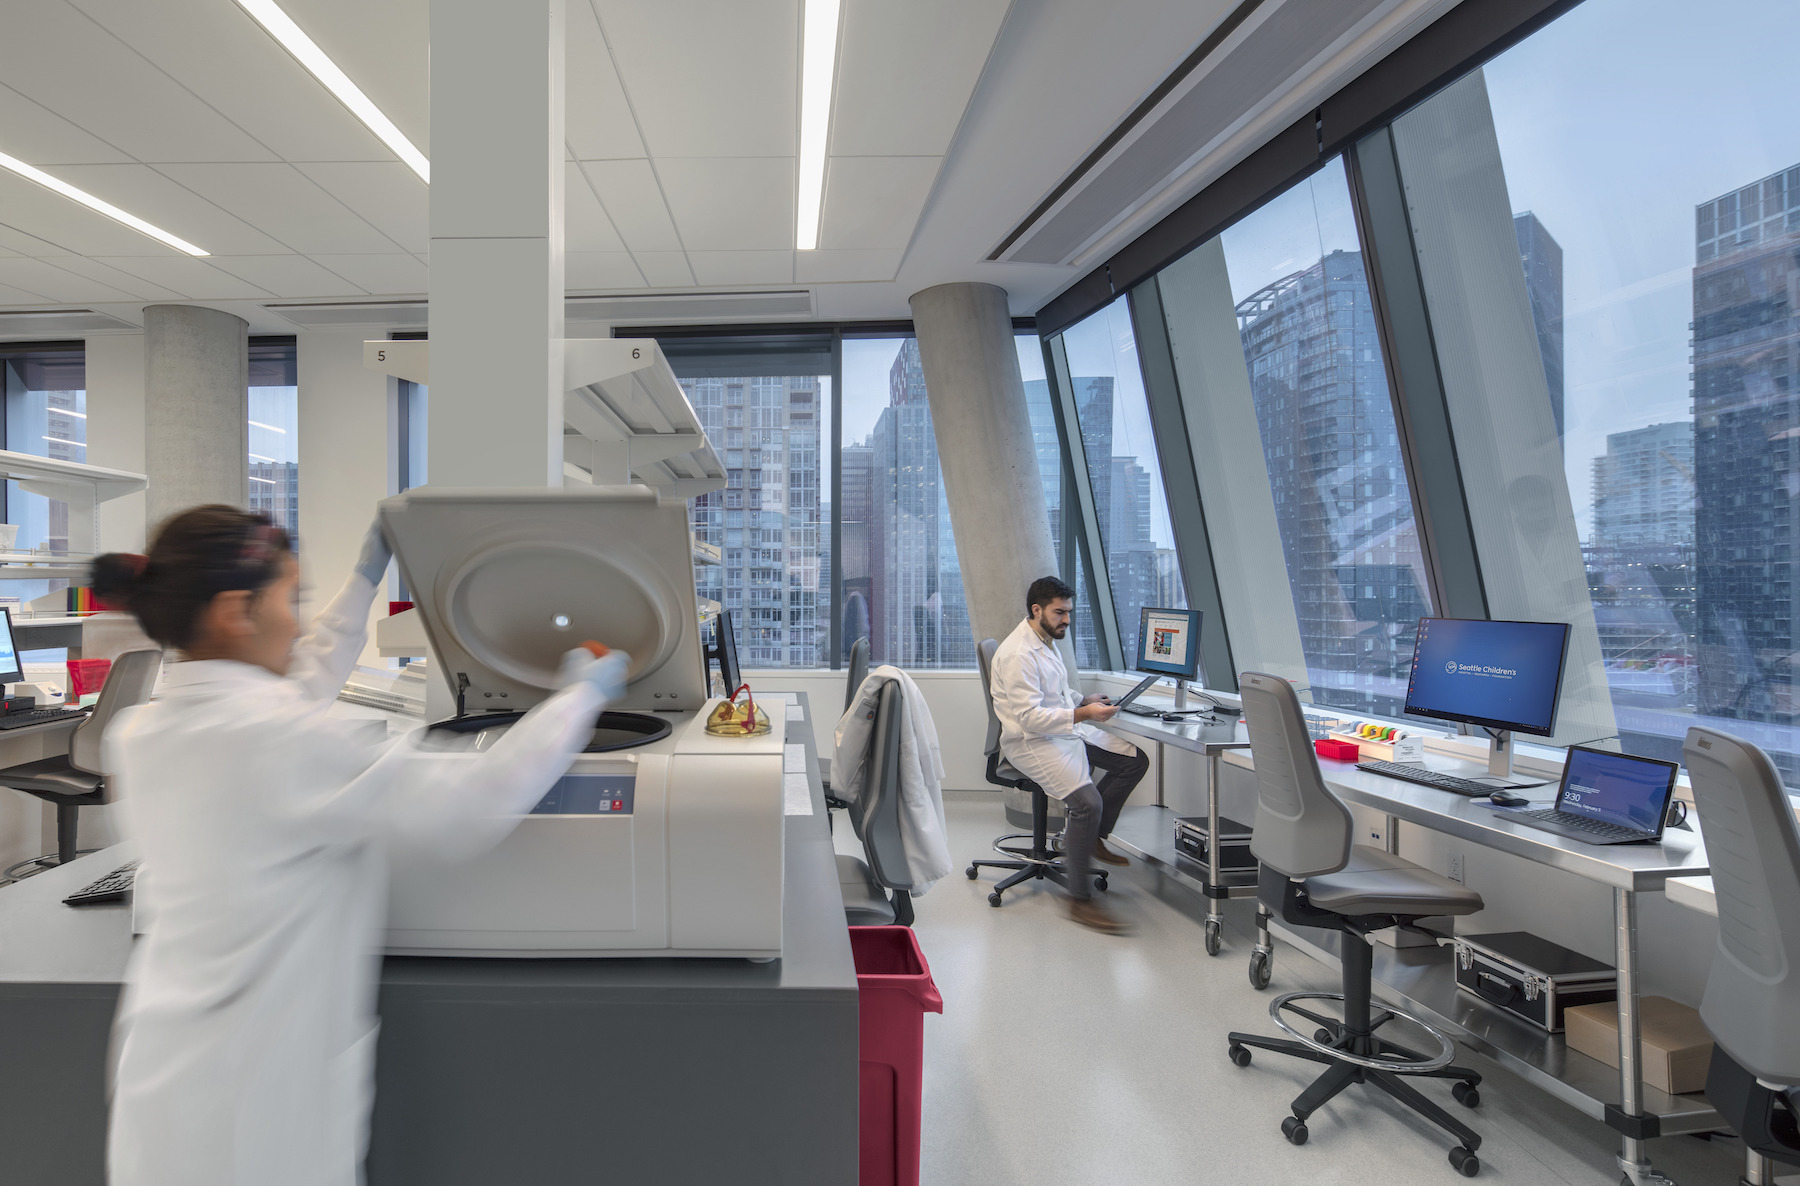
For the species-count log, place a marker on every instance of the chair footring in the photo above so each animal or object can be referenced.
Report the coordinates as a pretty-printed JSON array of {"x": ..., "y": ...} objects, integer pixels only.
[
  {"x": 1390, "y": 1058},
  {"x": 36, "y": 865}
]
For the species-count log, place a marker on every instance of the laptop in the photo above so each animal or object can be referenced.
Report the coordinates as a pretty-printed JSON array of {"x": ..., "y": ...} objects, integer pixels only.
[
  {"x": 1605, "y": 798},
  {"x": 1123, "y": 703}
]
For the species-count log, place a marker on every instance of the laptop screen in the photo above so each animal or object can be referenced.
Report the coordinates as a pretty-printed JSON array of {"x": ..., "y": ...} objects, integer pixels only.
[{"x": 1617, "y": 788}]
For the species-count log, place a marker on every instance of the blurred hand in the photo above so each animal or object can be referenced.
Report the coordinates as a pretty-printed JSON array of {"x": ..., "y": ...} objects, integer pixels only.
[
  {"x": 1096, "y": 712},
  {"x": 376, "y": 555},
  {"x": 606, "y": 672},
  {"x": 1096, "y": 698}
]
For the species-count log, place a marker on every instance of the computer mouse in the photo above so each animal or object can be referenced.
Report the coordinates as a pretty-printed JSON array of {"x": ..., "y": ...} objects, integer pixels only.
[{"x": 1507, "y": 799}]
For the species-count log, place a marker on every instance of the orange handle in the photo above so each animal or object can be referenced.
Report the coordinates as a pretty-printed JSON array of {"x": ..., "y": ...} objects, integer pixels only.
[{"x": 599, "y": 649}]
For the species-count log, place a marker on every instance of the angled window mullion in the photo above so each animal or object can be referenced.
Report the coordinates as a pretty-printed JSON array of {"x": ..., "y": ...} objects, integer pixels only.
[
  {"x": 1068, "y": 428},
  {"x": 836, "y": 576}
]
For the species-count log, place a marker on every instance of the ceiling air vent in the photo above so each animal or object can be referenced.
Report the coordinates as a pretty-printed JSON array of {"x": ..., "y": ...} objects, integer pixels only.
[
  {"x": 661, "y": 308},
  {"x": 371, "y": 314},
  {"x": 53, "y": 323}
]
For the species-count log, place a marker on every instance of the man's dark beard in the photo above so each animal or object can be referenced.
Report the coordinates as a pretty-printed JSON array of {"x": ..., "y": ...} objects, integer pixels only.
[{"x": 1056, "y": 631}]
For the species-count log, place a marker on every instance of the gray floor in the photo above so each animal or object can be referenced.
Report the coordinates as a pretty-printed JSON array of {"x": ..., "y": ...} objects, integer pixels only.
[{"x": 1064, "y": 1056}]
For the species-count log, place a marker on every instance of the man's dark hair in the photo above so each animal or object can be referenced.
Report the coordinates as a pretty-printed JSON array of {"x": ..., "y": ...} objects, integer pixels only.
[{"x": 1044, "y": 590}]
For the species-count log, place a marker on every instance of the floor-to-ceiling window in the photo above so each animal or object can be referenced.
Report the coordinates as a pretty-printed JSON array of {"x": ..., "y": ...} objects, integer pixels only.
[
  {"x": 274, "y": 459},
  {"x": 46, "y": 416},
  {"x": 1123, "y": 468}
]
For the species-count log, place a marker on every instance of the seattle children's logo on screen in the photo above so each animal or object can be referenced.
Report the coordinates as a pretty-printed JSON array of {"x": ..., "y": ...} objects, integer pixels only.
[{"x": 1450, "y": 667}]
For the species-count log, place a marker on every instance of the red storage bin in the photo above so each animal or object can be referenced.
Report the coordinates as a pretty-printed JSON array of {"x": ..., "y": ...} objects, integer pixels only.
[
  {"x": 86, "y": 676},
  {"x": 894, "y": 993},
  {"x": 1341, "y": 751}
]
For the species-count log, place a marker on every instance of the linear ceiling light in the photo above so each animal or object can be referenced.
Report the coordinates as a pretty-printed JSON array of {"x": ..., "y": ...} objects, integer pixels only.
[
  {"x": 268, "y": 14},
  {"x": 92, "y": 203},
  {"x": 818, "y": 68}
]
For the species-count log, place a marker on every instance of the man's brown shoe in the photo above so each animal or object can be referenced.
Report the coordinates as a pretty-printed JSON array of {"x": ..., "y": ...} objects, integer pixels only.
[
  {"x": 1092, "y": 914},
  {"x": 1103, "y": 853}
]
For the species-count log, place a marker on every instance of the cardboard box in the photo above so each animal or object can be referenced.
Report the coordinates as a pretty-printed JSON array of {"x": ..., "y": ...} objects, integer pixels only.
[{"x": 1677, "y": 1046}]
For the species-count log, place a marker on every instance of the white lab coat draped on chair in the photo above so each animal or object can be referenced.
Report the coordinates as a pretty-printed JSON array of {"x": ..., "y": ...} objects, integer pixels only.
[{"x": 922, "y": 827}]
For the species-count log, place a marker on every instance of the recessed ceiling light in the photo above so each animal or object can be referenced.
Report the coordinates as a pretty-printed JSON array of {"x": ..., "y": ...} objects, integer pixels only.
[
  {"x": 818, "y": 69},
  {"x": 268, "y": 14},
  {"x": 92, "y": 203}
]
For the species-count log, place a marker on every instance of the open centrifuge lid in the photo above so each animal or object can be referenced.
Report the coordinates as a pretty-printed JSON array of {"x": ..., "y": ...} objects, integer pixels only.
[{"x": 507, "y": 581}]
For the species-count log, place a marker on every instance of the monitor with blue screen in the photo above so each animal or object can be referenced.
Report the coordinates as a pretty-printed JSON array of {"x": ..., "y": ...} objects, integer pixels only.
[
  {"x": 1501, "y": 675},
  {"x": 1620, "y": 789},
  {"x": 10, "y": 670},
  {"x": 1169, "y": 642}
]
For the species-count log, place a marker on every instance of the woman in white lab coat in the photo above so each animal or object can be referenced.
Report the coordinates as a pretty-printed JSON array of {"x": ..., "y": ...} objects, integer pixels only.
[{"x": 244, "y": 1043}]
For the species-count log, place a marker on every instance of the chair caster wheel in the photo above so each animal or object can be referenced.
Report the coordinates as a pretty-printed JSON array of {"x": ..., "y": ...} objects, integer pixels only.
[
  {"x": 994, "y": 898},
  {"x": 1294, "y": 1129},
  {"x": 1465, "y": 1162},
  {"x": 1260, "y": 971},
  {"x": 1100, "y": 883},
  {"x": 971, "y": 873},
  {"x": 1238, "y": 1054},
  {"x": 1324, "y": 1037},
  {"x": 1466, "y": 1095},
  {"x": 1214, "y": 939}
]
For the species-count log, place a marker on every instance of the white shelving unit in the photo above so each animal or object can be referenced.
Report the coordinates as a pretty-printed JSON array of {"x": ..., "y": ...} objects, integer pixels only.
[{"x": 83, "y": 488}]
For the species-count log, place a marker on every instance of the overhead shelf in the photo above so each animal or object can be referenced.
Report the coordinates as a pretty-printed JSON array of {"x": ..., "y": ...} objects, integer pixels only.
[{"x": 83, "y": 488}]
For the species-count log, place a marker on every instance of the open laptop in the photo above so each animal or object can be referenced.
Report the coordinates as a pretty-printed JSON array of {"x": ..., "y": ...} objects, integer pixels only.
[
  {"x": 1606, "y": 798},
  {"x": 1123, "y": 703}
]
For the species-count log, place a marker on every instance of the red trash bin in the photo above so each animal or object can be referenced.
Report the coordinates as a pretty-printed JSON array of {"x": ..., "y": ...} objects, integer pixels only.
[{"x": 894, "y": 992}]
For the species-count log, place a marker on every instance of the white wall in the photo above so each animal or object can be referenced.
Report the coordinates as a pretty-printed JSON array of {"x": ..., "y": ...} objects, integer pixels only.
[
  {"x": 115, "y": 431},
  {"x": 344, "y": 462}
]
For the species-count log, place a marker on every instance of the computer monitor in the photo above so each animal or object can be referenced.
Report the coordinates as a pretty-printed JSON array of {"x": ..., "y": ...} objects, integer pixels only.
[
  {"x": 1502, "y": 676},
  {"x": 723, "y": 652},
  {"x": 1621, "y": 789},
  {"x": 1169, "y": 642},
  {"x": 11, "y": 671}
]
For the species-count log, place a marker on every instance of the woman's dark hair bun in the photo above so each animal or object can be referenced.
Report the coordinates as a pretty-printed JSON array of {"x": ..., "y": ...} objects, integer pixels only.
[{"x": 115, "y": 577}]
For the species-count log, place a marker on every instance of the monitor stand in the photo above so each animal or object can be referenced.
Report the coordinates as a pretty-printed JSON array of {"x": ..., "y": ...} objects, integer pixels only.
[
  {"x": 1181, "y": 695},
  {"x": 1500, "y": 755}
]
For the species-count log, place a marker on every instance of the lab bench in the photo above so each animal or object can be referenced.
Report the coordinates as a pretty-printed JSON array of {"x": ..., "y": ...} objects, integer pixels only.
[{"x": 546, "y": 1071}]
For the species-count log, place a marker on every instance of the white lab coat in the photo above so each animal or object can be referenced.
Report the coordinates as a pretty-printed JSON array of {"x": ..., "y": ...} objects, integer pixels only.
[
  {"x": 923, "y": 833},
  {"x": 244, "y": 1044},
  {"x": 1036, "y": 707}
]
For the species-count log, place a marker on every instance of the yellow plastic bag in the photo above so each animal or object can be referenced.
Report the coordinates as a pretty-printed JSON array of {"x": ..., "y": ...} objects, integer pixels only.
[{"x": 732, "y": 719}]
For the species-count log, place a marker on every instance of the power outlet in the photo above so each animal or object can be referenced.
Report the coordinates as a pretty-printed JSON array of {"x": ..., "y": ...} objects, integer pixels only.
[{"x": 1456, "y": 867}]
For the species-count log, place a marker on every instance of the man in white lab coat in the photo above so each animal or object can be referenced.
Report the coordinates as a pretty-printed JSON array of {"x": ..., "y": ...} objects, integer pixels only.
[{"x": 1045, "y": 732}]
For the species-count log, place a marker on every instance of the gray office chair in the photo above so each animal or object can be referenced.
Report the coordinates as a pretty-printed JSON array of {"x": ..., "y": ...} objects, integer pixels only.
[
  {"x": 1753, "y": 993},
  {"x": 75, "y": 778},
  {"x": 868, "y": 881},
  {"x": 1312, "y": 874},
  {"x": 858, "y": 670},
  {"x": 1026, "y": 806}
]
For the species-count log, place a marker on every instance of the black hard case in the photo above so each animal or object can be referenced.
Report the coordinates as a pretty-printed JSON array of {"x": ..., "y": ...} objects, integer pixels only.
[
  {"x": 1530, "y": 977},
  {"x": 1234, "y": 843}
]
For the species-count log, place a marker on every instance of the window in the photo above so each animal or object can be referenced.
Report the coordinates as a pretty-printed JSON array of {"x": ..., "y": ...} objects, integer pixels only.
[
  {"x": 46, "y": 415},
  {"x": 1133, "y": 513},
  {"x": 902, "y": 582},
  {"x": 1660, "y": 493},
  {"x": 1311, "y": 349},
  {"x": 274, "y": 460}
]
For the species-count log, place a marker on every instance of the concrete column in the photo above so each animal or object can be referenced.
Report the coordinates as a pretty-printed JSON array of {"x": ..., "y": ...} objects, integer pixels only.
[
  {"x": 196, "y": 401},
  {"x": 115, "y": 405},
  {"x": 496, "y": 243},
  {"x": 346, "y": 456},
  {"x": 985, "y": 449}
]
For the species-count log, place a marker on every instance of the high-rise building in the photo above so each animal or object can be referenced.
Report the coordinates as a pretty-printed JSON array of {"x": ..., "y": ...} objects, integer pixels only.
[
  {"x": 1333, "y": 455},
  {"x": 1644, "y": 488},
  {"x": 1746, "y": 343},
  {"x": 1541, "y": 256},
  {"x": 766, "y": 520}
]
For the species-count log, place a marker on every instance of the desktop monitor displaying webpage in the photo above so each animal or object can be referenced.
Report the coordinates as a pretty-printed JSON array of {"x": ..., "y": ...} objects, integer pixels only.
[
  {"x": 1504, "y": 675},
  {"x": 1169, "y": 642}
]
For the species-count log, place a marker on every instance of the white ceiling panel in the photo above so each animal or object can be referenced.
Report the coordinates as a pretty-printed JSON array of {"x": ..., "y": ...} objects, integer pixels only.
[
  {"x": 287, "y": 275},
  {"x": 874, "y": 201},
  {"x": 385, "y": 48},
  {"x": 16, "y": 242},
  {"x": 664, "y": 269},
  {"x": 54, "y": 283},
  {"x": 241, "y": 71},
  {"x": 76, "y": 230},
  {"x": 56, "y": 55},
  {"x": 382, "y": 275},
  {"x": 193, "y": 278},
  {"x": 600, "y": 269},
  {"x": 597, "y": 120},
  {"x": 585, "y": 225},
  {"x": 138, "y": 288},
  {"x": 742, "y": 267},
  {"x": 709, "y": 78},
  {"x": 388, "y": 195},
  {"x": 141, "y": 190},
  {"x": 906, "y": 71},
  {"x": 38, "y": 136},
  {"x": 286, "y": 204},
  {"x": 631, "y": 195},
  {"x": 845, "y": 267},
  {"x": 731, "y": 203},
  {"x": 18, "y": 296}
]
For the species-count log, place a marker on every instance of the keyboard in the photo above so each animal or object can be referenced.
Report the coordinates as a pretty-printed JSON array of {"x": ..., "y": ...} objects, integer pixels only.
[
  {"x": 38, "y": 716},
  {"x": 1407, "y": 772},
  {"x": 111, "y": 888},
  {"x": 1599, "y": 829}
]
